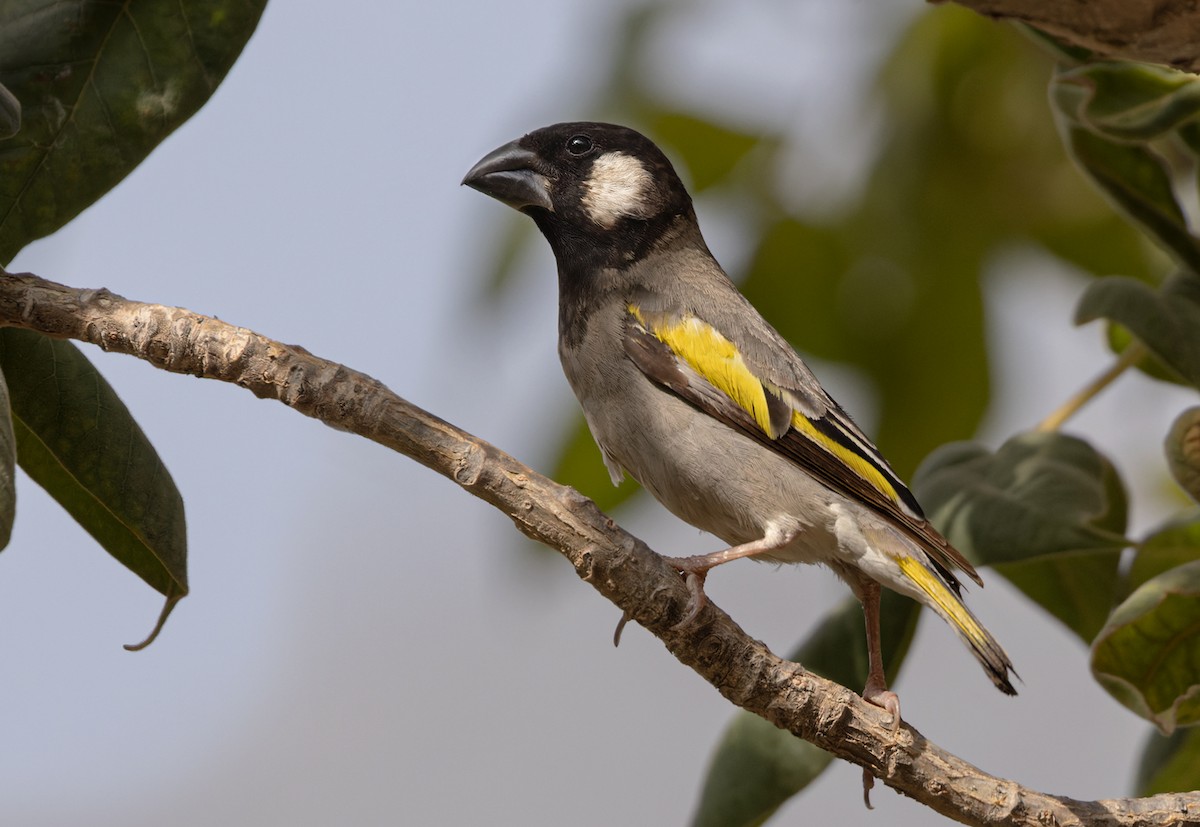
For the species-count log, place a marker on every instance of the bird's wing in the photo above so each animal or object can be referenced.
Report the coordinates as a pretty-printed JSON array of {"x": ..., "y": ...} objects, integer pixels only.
[{"x": 692, "y": 358}]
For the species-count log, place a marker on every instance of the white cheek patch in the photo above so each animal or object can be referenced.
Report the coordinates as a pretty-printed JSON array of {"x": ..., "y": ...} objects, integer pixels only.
[{"x": 619, "y": 186}]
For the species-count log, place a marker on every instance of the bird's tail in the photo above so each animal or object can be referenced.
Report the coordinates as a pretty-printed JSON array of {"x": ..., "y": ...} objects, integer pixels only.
[{"x": 945, "y": 602}]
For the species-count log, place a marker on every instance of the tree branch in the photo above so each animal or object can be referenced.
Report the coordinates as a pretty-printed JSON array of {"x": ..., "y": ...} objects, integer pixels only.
[
  {"x": 1155, "y": 31},
  {"x": 614, "y": 562}
]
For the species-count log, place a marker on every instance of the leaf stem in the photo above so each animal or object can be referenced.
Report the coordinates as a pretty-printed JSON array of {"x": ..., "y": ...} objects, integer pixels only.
[{"x": 1132, "y": 354}]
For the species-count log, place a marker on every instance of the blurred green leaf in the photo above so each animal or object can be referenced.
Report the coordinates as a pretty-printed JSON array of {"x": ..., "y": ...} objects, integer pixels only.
[
  {"x": 1119, "y": 338},
  {"x": 100, "y": 85},
  {"x": 77, "y": 440},
  {"x": 1139, "y": 183},
  {"x": 506, "y": 255},
  {"x": 1148, "y": 654},
  {"x": 8, "y": 466},
  {"x": 581, "y": 466},
  {"x": 709, "y": 151},
  {"x": 1076, "y": 588},
  {"x": 1046, "y": 509},
  {"x": 1103, "y": 245},
  {"x": 1126, "y": 101},
  {"x": 1039, "y": 494},
  {"x": 1170, "y": 764},
  {"x": 1182, "y": 447},
  {"x": 1170, "y": 546},
  {"x": 757, "y": 766},
  {"x": 1165, "y": 320}
]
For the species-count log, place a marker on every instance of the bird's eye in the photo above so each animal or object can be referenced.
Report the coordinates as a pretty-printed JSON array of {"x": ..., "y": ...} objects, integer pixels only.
[{"x": 579, "y": 145}]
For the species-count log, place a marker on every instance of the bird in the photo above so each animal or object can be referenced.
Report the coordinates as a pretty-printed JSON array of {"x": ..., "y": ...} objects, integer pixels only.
[{"x": 689, "y": 390}]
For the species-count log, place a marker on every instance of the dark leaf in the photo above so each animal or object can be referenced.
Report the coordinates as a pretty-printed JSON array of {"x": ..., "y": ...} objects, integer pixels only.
[
  {"x": 77, "y": 440},
  {"x": 1166, "y": 320},
  {"x": 1046, "y": 509},
  {"x": 100, "y": 85},
  {"x": 1120, "y": 338},
  {"x": 1138, "y": 182},
  {"x": 757, "y": 766}
]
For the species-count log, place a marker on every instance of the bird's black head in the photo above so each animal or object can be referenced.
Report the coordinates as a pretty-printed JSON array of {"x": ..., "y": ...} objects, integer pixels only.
[{"x": 599, "y": 192}]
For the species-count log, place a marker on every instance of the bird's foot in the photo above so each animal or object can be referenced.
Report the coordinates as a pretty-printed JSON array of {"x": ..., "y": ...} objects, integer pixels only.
[
  {"x": 876, "y": 693},
  {"x": 693, "y": 570},
  {"x": 886, "y": 700}
]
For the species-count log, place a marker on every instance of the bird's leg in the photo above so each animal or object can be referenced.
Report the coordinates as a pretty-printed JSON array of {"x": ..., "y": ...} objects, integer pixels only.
[
  {"x": 694, "y": 569},
  {"x": 876, "y": 692}
]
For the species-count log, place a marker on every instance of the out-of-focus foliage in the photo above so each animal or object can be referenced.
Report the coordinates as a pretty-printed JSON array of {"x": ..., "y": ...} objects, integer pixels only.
[
  {"x": 87, "y": 90},
  {"x": 1182, "y": 447},
  {"x": 757, "y": 766},
  {"x": 971, "y": 161},
  {"x": 1146, "y": 655},
  {"x": 77, "y": 440},
  {"x": 1046, "y": 509},
  {"x": 99, "y": 85},
  {"x": 1169, "y": 764}
]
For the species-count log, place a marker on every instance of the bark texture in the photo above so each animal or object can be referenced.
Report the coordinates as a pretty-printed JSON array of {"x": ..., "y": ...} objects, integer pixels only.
[
  {"x": 1154, "y": 31},
  {"x": 612, "y": 561}
]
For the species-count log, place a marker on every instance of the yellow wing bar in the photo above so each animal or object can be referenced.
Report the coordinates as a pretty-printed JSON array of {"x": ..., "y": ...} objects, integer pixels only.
[{"x": 718, "y": 361}]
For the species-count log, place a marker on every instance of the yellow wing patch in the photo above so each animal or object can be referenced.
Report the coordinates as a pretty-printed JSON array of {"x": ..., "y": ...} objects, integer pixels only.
[
  {"x": 716, "y": 359},
  {"x": 849, "y": 457}
]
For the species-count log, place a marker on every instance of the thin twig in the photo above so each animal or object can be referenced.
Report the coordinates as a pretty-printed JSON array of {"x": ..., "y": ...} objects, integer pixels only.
[{"x": 1134, "y": 353}]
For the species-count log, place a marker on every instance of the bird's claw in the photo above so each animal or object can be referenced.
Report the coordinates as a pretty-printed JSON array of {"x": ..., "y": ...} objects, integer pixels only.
[
  {"x": 694, "y": 580},
  {"x": 887, "y": 701},
  {"x": 625, "y": 618}
]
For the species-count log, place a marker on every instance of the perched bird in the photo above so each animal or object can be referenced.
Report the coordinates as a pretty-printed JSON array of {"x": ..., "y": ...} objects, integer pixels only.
[{"x": 690, "y": 391}]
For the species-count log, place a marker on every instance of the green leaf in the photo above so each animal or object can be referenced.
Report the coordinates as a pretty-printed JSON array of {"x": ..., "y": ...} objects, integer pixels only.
[
  {"x": 1119, "y": 338},
  {"x": 1126, "y": 101},
  {"x": 8, "y": 470},
  {"x": 1039, "y": 494},
  {"x": 757, "y": 766},
  {"x": 709, "y": 151},
  {"x": 1148, "y": 655},
  {"x": 581, "y": 466},
  {"x": 1170, "y": 764},
  {"x": 77, "y": 440},
  {"x": 1182, "y": 447},
  {"x": 1046, "y": 509},
  {"x": 1172, "y": 545},
  {"x": 1166, "y": 320},
  {"x": 1062, "y": 50},
  {"x": 100, "y": 85},
  {"x": 1138, "y": 182}
]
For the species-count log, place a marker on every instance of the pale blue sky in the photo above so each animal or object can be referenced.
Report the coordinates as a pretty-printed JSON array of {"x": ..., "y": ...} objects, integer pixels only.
[{"x": 365, "y": 643}]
